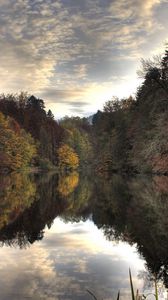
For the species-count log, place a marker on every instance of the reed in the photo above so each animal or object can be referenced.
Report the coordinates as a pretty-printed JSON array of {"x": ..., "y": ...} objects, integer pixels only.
[{"x": 134, "y": 296}]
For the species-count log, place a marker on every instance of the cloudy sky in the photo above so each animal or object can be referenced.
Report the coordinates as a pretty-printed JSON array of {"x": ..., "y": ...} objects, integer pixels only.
[{"x": 77, "y": 54}]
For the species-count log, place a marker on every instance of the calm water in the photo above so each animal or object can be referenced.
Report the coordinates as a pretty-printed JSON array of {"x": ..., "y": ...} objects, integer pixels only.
[{"x": 63, "y": 235}]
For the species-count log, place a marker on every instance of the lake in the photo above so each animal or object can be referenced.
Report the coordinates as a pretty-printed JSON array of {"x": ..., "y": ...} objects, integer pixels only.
[{"x": 69, "y": 235}]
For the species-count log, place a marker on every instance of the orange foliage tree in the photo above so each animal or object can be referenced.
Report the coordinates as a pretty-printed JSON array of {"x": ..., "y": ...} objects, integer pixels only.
[
  {"x": 17, "y": 148},
  {"x": 67, "y": 157}
]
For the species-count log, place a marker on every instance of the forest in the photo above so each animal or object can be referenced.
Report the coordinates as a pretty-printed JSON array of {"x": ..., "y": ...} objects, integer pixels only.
[{"x": 129, "y": 135}]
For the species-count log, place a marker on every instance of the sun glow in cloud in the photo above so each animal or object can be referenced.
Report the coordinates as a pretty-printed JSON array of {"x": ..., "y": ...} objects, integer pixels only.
[{"x": 77, "y": 54}]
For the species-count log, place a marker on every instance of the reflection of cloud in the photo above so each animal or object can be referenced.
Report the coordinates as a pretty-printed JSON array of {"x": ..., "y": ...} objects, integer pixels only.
[
  {"x": 27, "y": 276},
  {"x": 62, "y": 241},
  {"x": 65, "y": 265}
]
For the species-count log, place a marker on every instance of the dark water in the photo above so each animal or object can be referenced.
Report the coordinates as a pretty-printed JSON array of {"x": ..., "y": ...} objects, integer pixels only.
[{"x": 61, "y": 235}]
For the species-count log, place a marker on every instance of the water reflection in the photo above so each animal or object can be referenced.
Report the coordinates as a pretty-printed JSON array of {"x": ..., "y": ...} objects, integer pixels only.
[
  {"x": 17, "y": 192},
  {"x": 136, "y": 211},
  {"x": 131, "y": 211}
]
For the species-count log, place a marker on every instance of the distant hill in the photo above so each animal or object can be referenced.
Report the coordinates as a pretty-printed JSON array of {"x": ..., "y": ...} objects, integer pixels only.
[{"x": 90, "y": 118}]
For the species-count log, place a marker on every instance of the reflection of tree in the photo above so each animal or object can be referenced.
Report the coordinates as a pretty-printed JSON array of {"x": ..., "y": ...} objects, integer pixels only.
[
  {"x": 67, "y": 183},
  {"x": 29, "y": 224},
  {"x": 136, "y": 211},
  {"x": 17, "y": 194},
  {"x": 79, "y": 202},
  {"x": 112, "y": 200}
]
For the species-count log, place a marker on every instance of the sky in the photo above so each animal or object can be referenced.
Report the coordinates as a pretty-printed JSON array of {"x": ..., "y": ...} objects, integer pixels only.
[{"x": 77, "y": 54}]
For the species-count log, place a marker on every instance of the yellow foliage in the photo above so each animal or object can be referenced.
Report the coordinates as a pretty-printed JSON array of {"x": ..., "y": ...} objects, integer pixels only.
[
  {"x": 67, "y": 157},
  {"x": 17, "y": 194},
  {"x": 68, "y": 183},
  {"x": 16, "y": 148}
]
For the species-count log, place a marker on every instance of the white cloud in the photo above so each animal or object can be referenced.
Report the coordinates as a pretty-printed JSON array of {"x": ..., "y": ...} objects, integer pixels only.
[{"x": 47, "y": 43}]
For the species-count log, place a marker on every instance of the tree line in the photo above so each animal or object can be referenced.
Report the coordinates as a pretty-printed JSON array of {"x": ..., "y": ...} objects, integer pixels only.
[
  {"x": 128, "y": 135},
  {"x": 131, "y": 134},
  {"x": 30, "y": 136}
]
